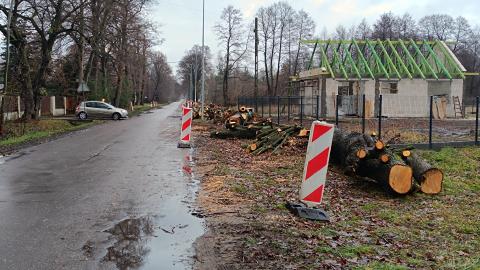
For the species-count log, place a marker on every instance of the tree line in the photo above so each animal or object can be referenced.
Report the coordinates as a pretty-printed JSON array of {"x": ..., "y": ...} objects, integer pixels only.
[
  {"x": 107, "y": 44},
  {"x": 282, "y": 55}
]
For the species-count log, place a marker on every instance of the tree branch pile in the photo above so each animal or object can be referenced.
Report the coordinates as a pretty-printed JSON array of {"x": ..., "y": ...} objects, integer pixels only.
[{"x": 245, "y": 124}]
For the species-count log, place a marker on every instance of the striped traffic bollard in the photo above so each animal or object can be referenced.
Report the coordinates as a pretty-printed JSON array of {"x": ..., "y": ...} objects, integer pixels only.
[
  {"x": 186, "y": 128},
  {"x": 315, "y": 172}
]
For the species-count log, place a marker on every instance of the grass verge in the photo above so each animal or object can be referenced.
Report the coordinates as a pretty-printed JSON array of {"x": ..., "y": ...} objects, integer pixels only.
[
  {"x": 138, "y": 109},
  {"x": 19, "y": 133}
]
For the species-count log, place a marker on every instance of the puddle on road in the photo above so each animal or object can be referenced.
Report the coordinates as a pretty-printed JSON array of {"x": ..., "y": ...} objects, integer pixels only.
[
  {"x": 130, "y": 248},
  {"x": 160, "y": 241}
]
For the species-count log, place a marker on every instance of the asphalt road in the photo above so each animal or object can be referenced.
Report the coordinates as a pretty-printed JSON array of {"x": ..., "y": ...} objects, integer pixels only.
[{"x": 114, "y": 196}]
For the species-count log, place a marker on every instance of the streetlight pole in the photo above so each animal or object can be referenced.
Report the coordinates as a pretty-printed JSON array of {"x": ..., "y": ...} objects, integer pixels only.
[{"x": 203, "y": 62}]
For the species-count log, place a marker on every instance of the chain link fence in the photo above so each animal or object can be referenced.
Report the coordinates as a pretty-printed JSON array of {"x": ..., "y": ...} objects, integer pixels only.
[{"x": 394, "y": 118}]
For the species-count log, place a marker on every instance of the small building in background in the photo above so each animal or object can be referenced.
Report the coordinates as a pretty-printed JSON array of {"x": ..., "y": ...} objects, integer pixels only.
[{"x": 405, "y": 72}]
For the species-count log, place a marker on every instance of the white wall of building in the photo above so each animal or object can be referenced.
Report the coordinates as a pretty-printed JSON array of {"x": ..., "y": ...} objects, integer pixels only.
[{"x": 411, "y": 100}]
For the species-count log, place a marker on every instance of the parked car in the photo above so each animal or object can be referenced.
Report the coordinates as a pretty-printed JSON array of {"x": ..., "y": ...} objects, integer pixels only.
[{"x": 99, "y": 109}]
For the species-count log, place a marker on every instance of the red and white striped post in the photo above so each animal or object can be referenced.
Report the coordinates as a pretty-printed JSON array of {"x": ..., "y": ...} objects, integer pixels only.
[
  {"x": 315, "y": 172},
  {"x": 186, "y": 130},
  {"x": 316, "y": 163}
]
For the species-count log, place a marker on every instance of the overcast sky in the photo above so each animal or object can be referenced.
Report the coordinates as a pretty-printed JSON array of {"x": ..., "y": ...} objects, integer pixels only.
[{"x": 181, "y": 20}]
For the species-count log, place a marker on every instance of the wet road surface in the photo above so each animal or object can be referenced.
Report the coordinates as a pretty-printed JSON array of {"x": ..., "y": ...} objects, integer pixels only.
[{"x": 114, "y": 196}]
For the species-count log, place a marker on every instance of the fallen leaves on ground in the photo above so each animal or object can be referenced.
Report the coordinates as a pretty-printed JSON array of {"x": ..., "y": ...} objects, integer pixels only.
[{"x": 368, "y": 230}]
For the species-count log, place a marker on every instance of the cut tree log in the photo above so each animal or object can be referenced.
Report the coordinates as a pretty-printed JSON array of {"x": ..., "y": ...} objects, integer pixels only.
[
  {"x": 428, "y": 177},
  {"x": 349, "y": 149},
  {"x": 362, "y": 155},
  {"x": 269, "y": 138},
  {"x": 394, "y": 176}
]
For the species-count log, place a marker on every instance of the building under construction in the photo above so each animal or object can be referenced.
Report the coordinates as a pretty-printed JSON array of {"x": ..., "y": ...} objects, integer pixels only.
[{"x": 405, "y": 72}]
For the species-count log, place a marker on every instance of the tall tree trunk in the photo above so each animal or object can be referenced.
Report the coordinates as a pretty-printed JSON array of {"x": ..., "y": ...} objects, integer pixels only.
[
  {"x": 279, "y": 60},
  {"x": 272, "y": 55},
  {"x": 27, "y": 91},
  {"x": 266, "y": 64},
  {"x": 225, "y": 74},
  {"x": 295, "y": 65}
]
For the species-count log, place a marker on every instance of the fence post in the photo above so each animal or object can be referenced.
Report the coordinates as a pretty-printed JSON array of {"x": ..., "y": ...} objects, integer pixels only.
[
  {"x": 476, "y": 120},
  {"x": 288, "y": 109},
  {"x": 238, "y": 103},
  {"x": 336, "y": 110},
  {"x": 380, "y": 101},
  {"x": 318, "y": 105},
  {"x": 261, "y": 104},
  {"x": 363, "y": 114},
  {"x": 301, "y": 110},
  {"x": 269, "y": 106},
  {"x": 430, "y": 125},
  {"x": 278, "y": 110}
]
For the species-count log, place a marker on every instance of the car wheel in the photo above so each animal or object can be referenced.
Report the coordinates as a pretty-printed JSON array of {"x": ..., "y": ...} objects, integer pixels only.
[
  {"x": 82, "y": 116},
  {"x": 116, "y": 116}
]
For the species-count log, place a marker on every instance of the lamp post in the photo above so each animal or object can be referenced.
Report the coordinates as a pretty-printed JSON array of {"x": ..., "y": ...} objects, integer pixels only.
[{"x": 203, "y": 62}]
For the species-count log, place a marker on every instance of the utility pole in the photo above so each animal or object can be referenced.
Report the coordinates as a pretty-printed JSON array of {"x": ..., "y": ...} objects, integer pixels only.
[
  {"x": 255, "y": 89},
  {"x": 203, "y": 61},
  {"x": 192, "y": 84}
]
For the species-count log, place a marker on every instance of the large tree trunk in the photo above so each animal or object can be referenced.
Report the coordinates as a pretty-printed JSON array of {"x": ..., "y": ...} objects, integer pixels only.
[
  {"x": 27, "y": 91},
  {"x": 394, "y": 176},
  {"x": 349, "y": 148},
  {"x": 266, "y": 64},
  {"x": 361, "y": 155},
  {"x": 429, "y": 178},
  {"x": 225, "y": 75},
  {"x": 272, "y": 55},
  {"x": 279, "y": 60}
]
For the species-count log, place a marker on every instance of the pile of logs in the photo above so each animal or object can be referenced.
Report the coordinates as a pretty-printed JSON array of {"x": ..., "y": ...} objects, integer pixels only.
[
  {"x": 394, "y": 169},
  {"x": 266, "y": 135},
  {"x": 272, "y": 138}
]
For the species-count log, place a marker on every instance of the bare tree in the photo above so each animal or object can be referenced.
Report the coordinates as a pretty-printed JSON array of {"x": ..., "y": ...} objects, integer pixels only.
[
  {"x": 192, "y": 60},
  {"x": 384, "y": 28},
  {"x": 436, "y": 26},
  {"x": 363, "y": 31},
  {"x": 285, "y": 17},
  {"x": 405, "y": 27},
  {"x": 161, "y": 80},
  {"x": 35, "y": 28},
  {"x": 230, "y": 33},
  {"x": 341, "y": 32},
  {"x": 461, "y": 33},
  {"x": 303, "y": 27}
]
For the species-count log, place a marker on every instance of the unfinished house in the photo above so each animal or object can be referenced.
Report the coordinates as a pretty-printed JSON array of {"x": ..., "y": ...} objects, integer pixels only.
[{"x": 405, "y": 72}]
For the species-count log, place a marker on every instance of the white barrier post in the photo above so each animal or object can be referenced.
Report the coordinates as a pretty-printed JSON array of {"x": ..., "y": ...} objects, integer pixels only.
[
  {"x": 186, "y": 129},
  {"x": 315, "y": 172}
]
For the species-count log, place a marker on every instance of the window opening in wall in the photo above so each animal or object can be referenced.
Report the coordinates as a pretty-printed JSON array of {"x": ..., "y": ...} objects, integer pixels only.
[{"x": 389, "y": 88}]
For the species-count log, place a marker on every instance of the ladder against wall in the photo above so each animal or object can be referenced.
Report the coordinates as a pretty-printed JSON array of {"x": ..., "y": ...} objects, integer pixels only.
[{"x": 457, "y": 107}]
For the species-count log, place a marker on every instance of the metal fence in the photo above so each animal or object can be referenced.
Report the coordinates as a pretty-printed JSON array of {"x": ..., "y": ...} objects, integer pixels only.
[{"x": 409, "y": 120}]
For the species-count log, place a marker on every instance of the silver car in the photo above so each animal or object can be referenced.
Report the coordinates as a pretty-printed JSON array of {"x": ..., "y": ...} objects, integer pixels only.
[{"x": 99, "y": 109}]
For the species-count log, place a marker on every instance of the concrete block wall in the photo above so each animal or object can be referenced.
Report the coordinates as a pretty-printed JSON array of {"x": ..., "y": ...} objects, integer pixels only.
[
  {"x": 411, "y": 100},
  {"x": 332, "y": 89},
  {"x": 18, "y": 113},
  {"x": 57, "y": 112}
]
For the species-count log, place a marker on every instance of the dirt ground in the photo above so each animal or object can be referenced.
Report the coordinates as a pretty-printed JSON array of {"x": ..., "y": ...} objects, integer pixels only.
[{"x": 242, "y": 198}]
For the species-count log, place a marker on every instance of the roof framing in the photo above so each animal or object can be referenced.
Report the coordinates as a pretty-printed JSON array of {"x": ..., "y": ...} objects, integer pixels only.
[{"x": 385, "y": 59}]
